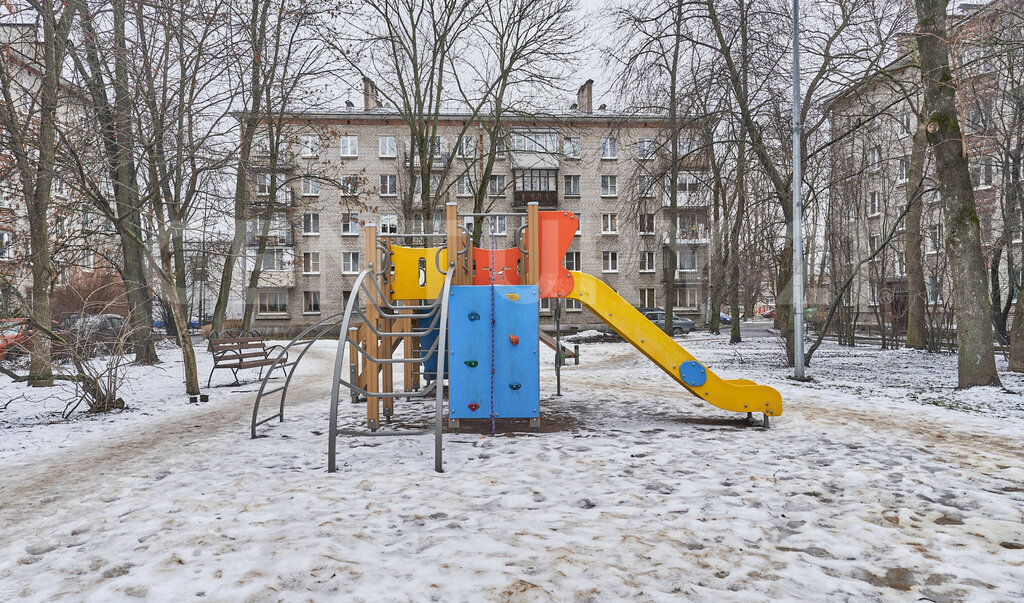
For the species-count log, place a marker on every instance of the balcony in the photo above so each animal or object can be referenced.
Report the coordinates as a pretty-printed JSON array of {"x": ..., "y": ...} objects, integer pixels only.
[
  {"x": 279, "y": 236},
  {"x": 284, "y": 198},
  {"x": 439, "y": 157},
  {"x": 277, "y": 279},
  {"x": 545, "y": 199}
]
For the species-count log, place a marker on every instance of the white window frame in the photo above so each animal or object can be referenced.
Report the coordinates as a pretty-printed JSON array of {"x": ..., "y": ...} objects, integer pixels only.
[
  {"x": 349, "y": 185},
  {"x": 645, "y": 149},
  {"x": 310, "y": 186},
  {"x": 311, "y": 224},
  {"x": 350, "y": 262},
  {"x": 310, "y": 144},
  {"x": 647, "y": 224},
  {"x": 576, "y": 262},
  {"x": 349, "y": 145},
  {"x": 308, "y": 298},
  {"x": 388, "y": 185},
  {"x": 466, "y": 148},
  {"x": 648, "y": 297},
  {"x": 571, "y": 147},
  {"x": 571, "y": 191},
  {"x": 310, "y": 262},
  {"x": 573, "y": 305},
  {"x": 648, "y": 260},
  {"x": 609, "y": 185},
  {"x": 610, "y": 262},
  {"x": 579, "y": 225},
  {"x": 645, "y": 186},
  {"x": 278, "y": 258},
  {"x": 349, "y": 224},
  {"x": 874, "y": 203},
  {"x": 610, "y": 224},
  {"x": 6, "y": 245},
  {"x": 609, "y": 147},
  {"x": 493, "y": 189},
  {"x": 464, "y": 186},
  {"x": 387, "y": 147},
  {"x": 679, "y": 257},
  {"x": 388, "y": 224}
]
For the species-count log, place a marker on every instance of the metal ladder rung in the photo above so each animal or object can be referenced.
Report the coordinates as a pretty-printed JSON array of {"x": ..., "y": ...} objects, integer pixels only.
[{"x": 268, "y": 419}]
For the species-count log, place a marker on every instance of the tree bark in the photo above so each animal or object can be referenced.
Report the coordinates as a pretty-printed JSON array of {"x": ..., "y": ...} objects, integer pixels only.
[
  {"x": 975, "y": 350},
  {"x": 917, "y": 292}
]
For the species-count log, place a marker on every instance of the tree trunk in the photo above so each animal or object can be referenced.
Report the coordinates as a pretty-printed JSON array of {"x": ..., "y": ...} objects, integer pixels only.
[
  {"x": 917, "y": 292},
  {"x": 1017, "y": 333},
  {"x": 734, "y": 239},
  {"x": 975, "y": 350}
]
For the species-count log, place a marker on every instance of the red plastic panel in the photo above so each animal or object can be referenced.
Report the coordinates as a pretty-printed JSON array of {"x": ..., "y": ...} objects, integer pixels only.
[
  {"x": 506, "y": 266},
  {"x": 557, "y": 228}
]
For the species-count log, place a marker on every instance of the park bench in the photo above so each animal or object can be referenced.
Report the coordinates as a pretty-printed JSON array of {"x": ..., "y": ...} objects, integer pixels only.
[{"x": 235, "y": 349}]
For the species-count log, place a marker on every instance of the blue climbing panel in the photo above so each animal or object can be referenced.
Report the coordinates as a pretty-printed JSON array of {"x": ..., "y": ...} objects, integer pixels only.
[{"x": 517, "y": 372}]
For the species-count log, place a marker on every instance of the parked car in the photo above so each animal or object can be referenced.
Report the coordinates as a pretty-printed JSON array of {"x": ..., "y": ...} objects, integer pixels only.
[
  {"x": 724, "y": 319},
  {"x": 768, "y": 313},
  {"x": 680, "y": 325},
  {"x": 93, "y": 334},
  {"x": 16, "y": 339}
]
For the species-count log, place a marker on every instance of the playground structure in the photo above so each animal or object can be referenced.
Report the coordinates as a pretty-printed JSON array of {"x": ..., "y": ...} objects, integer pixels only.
[{"x": 470, "y": 316}]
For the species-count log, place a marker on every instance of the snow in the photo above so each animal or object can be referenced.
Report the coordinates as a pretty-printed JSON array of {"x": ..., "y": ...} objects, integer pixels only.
[{"x": 880, "y": 481}]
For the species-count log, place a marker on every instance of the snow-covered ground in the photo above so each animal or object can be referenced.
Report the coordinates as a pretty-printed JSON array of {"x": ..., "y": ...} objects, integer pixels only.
[{"x": 880, "y": 481}]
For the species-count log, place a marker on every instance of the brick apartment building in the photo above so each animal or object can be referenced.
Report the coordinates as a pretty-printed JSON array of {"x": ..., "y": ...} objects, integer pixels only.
[{"x": 348, "y": 169}]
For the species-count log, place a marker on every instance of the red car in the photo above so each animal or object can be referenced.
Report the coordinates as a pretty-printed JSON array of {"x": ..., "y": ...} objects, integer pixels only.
[{"x": 16, "y": 337}]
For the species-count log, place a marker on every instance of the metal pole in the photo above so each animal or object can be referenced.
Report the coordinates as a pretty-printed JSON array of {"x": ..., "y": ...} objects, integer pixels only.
[
  {"x": 558, "y": 347},
  {"x": 798, "y": 246}
]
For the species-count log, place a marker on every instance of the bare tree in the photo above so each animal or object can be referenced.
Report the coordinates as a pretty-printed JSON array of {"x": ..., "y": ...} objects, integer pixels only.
[{"x": 975, "y": 352}]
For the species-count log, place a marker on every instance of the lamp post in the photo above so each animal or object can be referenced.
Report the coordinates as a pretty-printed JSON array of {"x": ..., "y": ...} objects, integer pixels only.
[{"x": 798, "y": 247}]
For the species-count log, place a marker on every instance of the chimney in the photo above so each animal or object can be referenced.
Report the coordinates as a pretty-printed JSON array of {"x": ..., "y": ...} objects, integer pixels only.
[
  {"x": 585, "y": 97},
  {"x": 370, "y": 101},
  {"x": 348, "y": 104},
  {"x": 573, "y": 107}
]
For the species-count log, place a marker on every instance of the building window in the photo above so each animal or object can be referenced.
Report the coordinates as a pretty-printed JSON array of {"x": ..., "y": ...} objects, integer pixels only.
[
  {"x": 647, "y": 299},
  {"x": 272, "y": 302},
  {"x": 349, "y": 146},
  {"x": 469, "y": 223},
  {"x": 349, "y": 184},
  {"x": 88, "y": 259},
  {"x": 646, "y": 226},
  {"x": 310, "y": 186},
  {"x": 934, "y": 287},
  {"x": 609, "y": 223},
  {"x": 536, "y": 142},
  {"x": 646, "y": 261},
  {"x": 310, "y": 145},
  {"x": 905, "y": 122},
  {"x": 685, "y": 146},
  {"x": 435, "y": 184},
  {"x": 496, "y": 186},
  {"x": 874, "y": 203},
  {"x": 645, "y": 148},
  {"x": 609, "y": 186},
  {"x": 350, "y": 224},
  {"x": 310, "y": 302},
  {"x": 874, "y": 157},
  {"x": 350, "y": 262},
  {"x": 572, "y": 186},
  {"x": 6, "y": 245},
  {"x": 609, "y": 148},
  {"x": 686, "y": 260},
  {"x": 572, "y": 260},
  {"x": 311, "y": 224},
  {"x": 495, "y": 224},
  {"x": 388, "y": 185},
  {"x": 389, "y": 223},
  {"x": 686, "y": 297},
  {"x": 609, "y": 261},
  {"x": 545, "y": 305},
  {"x": 903, "y": 171},
  {"x": 874, "y": 242},
  {"x": 536, "y": 180},
  {"x": 571, "y": 147},
  {"x": 263, "y": 183},
  {"x": 983, "y": 172},
  {"x": 388, "y": 147},
  {"x": 933, "y": 238},
  {"x": 645, "y": 186},
  {"x": 466, "y": 147},
  {"x": 573, "y": 305},
  {"x": 311, "y": 262},
  {"x": 579, "y": 225},
  {"x": 274, "y": 260},
  {"x": 463, "y": 186}
]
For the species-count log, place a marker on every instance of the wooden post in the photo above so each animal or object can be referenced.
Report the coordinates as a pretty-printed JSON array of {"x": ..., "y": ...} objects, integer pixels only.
[
  {"x": 533, "y": 243},
  {"x": 372, "y": 342}
]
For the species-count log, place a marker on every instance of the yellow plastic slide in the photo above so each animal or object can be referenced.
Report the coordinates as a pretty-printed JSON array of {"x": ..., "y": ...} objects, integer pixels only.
[{"x": 738, "y": 395}]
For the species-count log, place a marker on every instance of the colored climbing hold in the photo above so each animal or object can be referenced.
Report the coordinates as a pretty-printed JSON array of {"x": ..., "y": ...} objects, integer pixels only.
[
  {"x": 514, "y": 386},
  {"x": 513, "y": 339},
  {"x": 471, "y": 363},
  {"x": 512, "y": 296},
  {"x": 474, "y": 316},
  {"x": 474, "y": 407}
]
